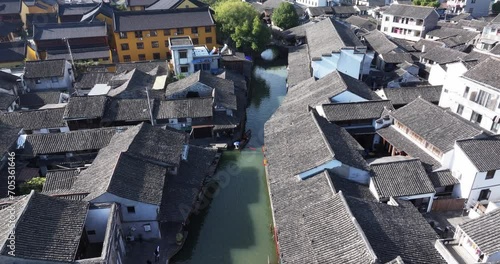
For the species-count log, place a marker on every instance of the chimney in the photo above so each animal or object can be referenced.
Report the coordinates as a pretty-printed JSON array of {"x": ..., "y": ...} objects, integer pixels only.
[{"x": 423, "y": 48}]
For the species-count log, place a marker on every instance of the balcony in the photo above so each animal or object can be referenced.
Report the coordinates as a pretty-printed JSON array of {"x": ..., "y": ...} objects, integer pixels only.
[{"x": 452, "y": 252}]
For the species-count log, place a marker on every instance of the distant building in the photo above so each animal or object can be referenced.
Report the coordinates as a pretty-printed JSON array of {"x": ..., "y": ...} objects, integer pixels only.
[
  {"x": 408, "y": 22},
  {"x": 476, "y": 8}
]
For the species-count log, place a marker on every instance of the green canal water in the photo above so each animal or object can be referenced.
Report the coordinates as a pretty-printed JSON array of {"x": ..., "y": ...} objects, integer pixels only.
[{"x": 235, "y": 226}]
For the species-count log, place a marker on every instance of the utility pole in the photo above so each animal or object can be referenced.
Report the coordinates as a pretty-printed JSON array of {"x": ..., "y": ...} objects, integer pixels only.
[
  {"x": 149, "y": 106},
  {"x": 71, "y": 58}
]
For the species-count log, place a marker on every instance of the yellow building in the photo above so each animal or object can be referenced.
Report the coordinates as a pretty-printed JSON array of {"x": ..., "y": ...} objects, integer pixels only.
[
  {"x": 144, "y": 35},
  {"x": 38, "y": 7}
]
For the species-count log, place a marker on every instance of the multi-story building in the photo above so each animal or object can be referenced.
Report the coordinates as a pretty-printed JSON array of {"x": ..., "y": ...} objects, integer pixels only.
[
  {"x": 490, "y": 35},
  {"x": 77, "y": 41},
  {"x": 409, "y": 22},
  {"x": 41, "y": 7},
  {"x": 474, "y": 94},
  {"x": 144, "y": 35},
  {"x": 188, "y": 58},
  {"x": 477, "y": 8},
  {"x": 10, "y": 19}
]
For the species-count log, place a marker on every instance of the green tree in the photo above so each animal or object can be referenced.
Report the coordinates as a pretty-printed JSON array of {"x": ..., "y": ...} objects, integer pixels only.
[
  {"x": 33, "y": 184},
  {"x": 433, "y": 3},
  {"x": 495, "y": 8},
  {"x": 285, "y": 16},
  {"x": 240, "y": 21}
]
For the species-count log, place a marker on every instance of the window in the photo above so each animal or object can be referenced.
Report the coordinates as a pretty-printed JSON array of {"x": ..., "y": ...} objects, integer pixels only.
[
  {"x": 482, "y": 98},
  {"x": 54, "y": 130},
  {"x": 155, "y": 44},
  {"x": 166, "y": 32},
  {"x": 90, "y": 232},
  {"x": 460, "y": 109},
  {"x": 180, "y": 31},
  {"x": 484, "y": 195},
  {"x": 126, "y": 58},
  {"x": 195, "y": 41},
  {"x": 140, "y": 45},
  {"x": 138, "y": 34},
  {"x": 156, "y": 56},
  {"x": 166, "y": 44},
  {"x": 473, "y": 2},
  {"x": 495, "y": 127},
  {"x": 54, "y": 79},
  {"x": 147, "y": 227},
  {"x": 142, "y": 57},
  {"x": 476, "y": 118},
  {"x": 208, "y": 40},
  {"x": 467, "y": 88},
  {"x": 125, "y": 46},
  {"x": 208, "y": 29},
  {"x": 386, "y": 29},
  {"x": 194, "y": 30},
  {"x": 183, "y": 54},
  {"x": 131, "y": 209},
  {"x": 490, "y": 174},
  {"x": 471, "y": 10},
  {"x": 386, "y": 18},
  {"x": 123, "y": 35},
  {"x": 153, "y": 33},
  {"x": 184, "y": 68}
]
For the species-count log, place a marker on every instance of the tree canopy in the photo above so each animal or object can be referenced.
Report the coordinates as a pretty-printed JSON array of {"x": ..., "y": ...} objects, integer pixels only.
[
  {"x": 433, "y": 3},
  {"x": 240, "y": 21},
  {"x": 285, "y": 16},
  {"x": 33, "y": 184},
  {"x": 495, "y": 8}
]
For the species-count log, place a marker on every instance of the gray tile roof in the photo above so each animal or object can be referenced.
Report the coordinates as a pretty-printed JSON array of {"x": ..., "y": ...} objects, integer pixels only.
[
  {"x": 362, "y": 22},
  {"x": 8, "y": 139},
  {"x": 329, "y": 36},
  {"x": 89, "y": 79},
  {"x": 162, "y": 19},
  {"x": 298, "y": 65},
  {"x": 405, "y": 95},
  {"x": 350, "y": 188},
  {"x": 12, "y": 51},
  {"x": 47, "y": 228},
  {"x": 185, "y": 108},
  {"x": 443, "y": 55},
  {"x": 170, "y": 4},
  {"x": 429, "y": 44},
  {"x": 355, "y": 111},
  {"x": 482, "y": 73},
  {"x": 36, "y": 100},
  {"x": 85, "y": 107},
  {"x": 344, "y": 10},
  {"x": 150, "y": 67},
  {"x": 102, "y": 8},
  {"x": 417, "y": 12},
  {"x": 397, "y": 57},
  {"x": 127, "y": 110},
  {"x": 37, "y": 119},
  {"x": 131, "y": 155},
  {"x": 485, "y": 232},
  {"x": 224, "y": 89},
  {"x": 484, "y": 153},
  {"x": 442, "y": 178},
  {"x": 69, "y": 30},
  {"x": 379, "y": 42},
  {"x": 6, "y": 101},
  {"x": 8, "y": 7},
  {"x": 141, "y": 2},
  {"x": 59, "y": 181},
  {"x": 396, "y": 231},
  {"x": 73, "y": 141},
  {"x": 75, "y": 9},
  {"x": 315, "y": 11},
  {"x": 401, "y": 143},
  {"x": 437, "y": 126},
  {"x": 460, "y": 17},
  {"x": 44, "y": 69},
  {"x": 400, "y": 178},
  {"x": 80, "y": 53},
  {"x": 181, "y": 190}
]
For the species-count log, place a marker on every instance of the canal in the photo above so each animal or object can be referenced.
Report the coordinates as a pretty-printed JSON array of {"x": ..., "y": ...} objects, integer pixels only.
[{"x": 235, "y": 226}]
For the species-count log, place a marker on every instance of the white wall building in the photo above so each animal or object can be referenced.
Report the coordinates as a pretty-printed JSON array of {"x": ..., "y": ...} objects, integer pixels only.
[
  {"x": 474, "y": 94},
  {"x": 477, "y": 8},
  {"x": 48, "y": 75},
  {"x": 188, "y": 58},
  {"x": 408, "y": 22}
]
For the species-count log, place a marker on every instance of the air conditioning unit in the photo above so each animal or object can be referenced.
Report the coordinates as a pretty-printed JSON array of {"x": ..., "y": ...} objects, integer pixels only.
[
  {"x": 148, "y": 35},
  {"x": 196, "y": 34},
  {"x": 139, "y": 38},
  {"x": 175, "y": 34}
]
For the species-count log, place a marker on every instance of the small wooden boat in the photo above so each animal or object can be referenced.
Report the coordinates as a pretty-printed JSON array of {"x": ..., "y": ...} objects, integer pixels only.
[{"x": 239, "y": 145}]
